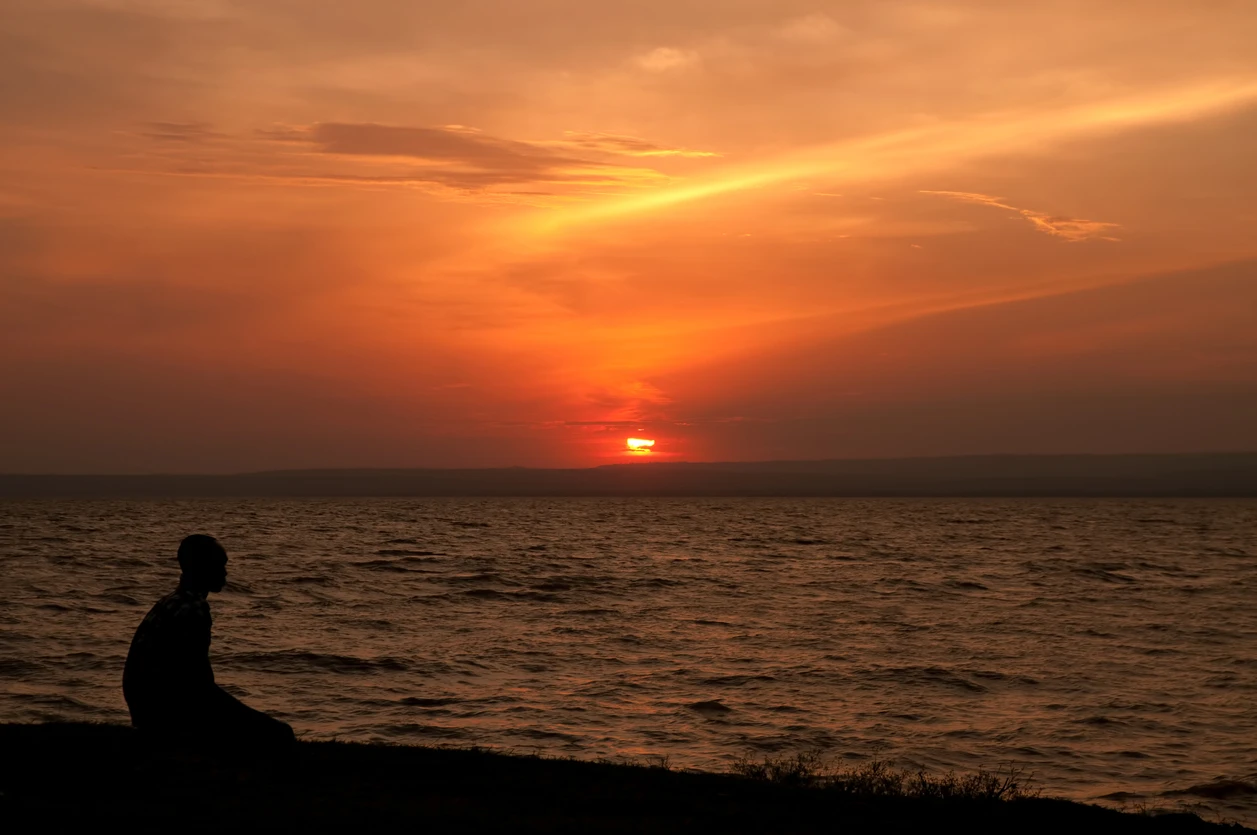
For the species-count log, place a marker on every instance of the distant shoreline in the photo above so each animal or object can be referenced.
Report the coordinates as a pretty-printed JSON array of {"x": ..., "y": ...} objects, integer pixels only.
[{"x": 1200, "y": 475}]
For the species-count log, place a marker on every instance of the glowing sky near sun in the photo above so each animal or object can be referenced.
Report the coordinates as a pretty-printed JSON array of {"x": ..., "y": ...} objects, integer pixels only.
[
  {"x": 250, "y": 235},
  {"x": 640, "y": 446}
]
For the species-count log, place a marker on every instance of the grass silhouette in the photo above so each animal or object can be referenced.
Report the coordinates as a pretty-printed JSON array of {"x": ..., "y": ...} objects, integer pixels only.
[{"x": 878, "y": 778}]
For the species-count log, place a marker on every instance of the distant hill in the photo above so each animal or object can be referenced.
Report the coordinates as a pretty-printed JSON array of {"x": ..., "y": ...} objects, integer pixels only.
[{"x": 1212, "y": 474}]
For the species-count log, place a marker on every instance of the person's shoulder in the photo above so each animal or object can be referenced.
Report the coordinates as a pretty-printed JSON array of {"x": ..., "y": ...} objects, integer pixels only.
[{"x": 182, "y": 604}]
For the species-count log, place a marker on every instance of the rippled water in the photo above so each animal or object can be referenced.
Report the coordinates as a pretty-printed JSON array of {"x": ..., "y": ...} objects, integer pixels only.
[{"x": 1107, "y": 646}]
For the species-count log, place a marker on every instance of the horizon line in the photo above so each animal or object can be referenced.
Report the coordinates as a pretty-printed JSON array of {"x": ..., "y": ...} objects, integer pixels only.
[{"x": 638, "y": 464}]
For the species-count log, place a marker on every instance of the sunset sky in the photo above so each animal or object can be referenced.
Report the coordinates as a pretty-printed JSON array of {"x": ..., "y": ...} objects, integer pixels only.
[{"x": 260, "y": 234}]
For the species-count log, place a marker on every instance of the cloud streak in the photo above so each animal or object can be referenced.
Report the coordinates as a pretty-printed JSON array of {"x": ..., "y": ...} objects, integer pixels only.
[
  {"x": 182, "y": 132},
  {"x": 1069, "y": 228},
  {"x": 897, "y": 154},
  {"x": 451, "y": 161},
  {"x": 468, "y": 159},
  {"x": 630, "y": 146}
]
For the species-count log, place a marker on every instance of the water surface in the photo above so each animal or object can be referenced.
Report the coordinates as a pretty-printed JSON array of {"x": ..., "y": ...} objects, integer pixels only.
[{"x": 1107, "y": 646}]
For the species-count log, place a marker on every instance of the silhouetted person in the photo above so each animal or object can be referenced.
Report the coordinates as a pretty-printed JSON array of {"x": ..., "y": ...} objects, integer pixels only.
[{"x": 168, "y": 683}]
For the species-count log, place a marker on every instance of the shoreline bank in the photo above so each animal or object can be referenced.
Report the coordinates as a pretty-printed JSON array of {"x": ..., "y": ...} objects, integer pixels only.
[{"x": 56, "y": 775}]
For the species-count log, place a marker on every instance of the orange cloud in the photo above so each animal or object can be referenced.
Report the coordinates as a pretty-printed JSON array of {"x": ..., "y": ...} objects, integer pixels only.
[
  {"x": 667, "y": 58},
  {"x": 452, "y": 161},
  {"x": 458, "y": 156},
  {"x": 190, "y": 132},
  {"x": 1069, "y": 228},
  {"x": 936, "y": 146},
  {"x": 630, "y": 146}
]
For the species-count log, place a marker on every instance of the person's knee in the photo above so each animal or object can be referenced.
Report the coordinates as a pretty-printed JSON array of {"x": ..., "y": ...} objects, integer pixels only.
[{"x": 284, "y": 734}]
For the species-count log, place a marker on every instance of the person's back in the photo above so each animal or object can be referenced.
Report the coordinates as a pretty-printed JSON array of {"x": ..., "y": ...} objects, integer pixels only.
[
  {"x": 168, "y": 682},
  {"x": 168, "y": 668}
]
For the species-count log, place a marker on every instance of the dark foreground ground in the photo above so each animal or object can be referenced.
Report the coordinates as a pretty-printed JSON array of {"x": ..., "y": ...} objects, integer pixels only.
[{"x": 57, "y": 778}]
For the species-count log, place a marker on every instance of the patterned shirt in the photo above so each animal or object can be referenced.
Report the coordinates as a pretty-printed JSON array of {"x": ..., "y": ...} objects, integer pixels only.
[{"x": 169, "y": 657}]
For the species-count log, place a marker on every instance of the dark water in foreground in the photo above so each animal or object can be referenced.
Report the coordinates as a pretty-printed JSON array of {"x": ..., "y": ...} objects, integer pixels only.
[{"x": 1106, "y": 646}]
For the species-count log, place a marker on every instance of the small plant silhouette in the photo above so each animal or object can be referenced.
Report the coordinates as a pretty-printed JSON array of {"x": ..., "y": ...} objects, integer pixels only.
[{"x": 878, "y": 778}]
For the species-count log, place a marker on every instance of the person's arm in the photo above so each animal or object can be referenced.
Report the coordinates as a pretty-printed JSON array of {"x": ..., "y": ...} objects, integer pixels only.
[{"x": 190, "y": 642}]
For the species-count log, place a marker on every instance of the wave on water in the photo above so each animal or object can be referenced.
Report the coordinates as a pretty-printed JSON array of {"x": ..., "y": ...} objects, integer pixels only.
[{"x": 284, "y": 661}]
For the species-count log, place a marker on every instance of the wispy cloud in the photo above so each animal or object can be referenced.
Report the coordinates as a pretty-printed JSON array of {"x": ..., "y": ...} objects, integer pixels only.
[
  {"x": 630, "y": 401},
  {"x": 901, "y": 153},
  {"x": 816, "y": 29},
  {"x": 451, "y": 160},
  {"x": 666, "y": 59},
  {"x": 606, "y": 424},
  {"x": 629, "y": 146},
  {"x": 451, "y": 155},
  {"x": 1069, "y": 228},
  {"x": 187, "y": 132}
]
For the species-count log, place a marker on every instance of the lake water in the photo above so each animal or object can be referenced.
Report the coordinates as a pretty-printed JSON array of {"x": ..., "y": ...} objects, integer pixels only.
[{"x": 1107, "y": 646}]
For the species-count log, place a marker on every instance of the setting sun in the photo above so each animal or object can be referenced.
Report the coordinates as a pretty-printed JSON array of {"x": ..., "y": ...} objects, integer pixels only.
[{"x": 639, "y": 444}]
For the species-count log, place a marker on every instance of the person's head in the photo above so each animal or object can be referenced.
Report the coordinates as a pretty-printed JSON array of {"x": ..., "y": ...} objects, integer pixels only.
[{"x": 204, "y": 563}]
